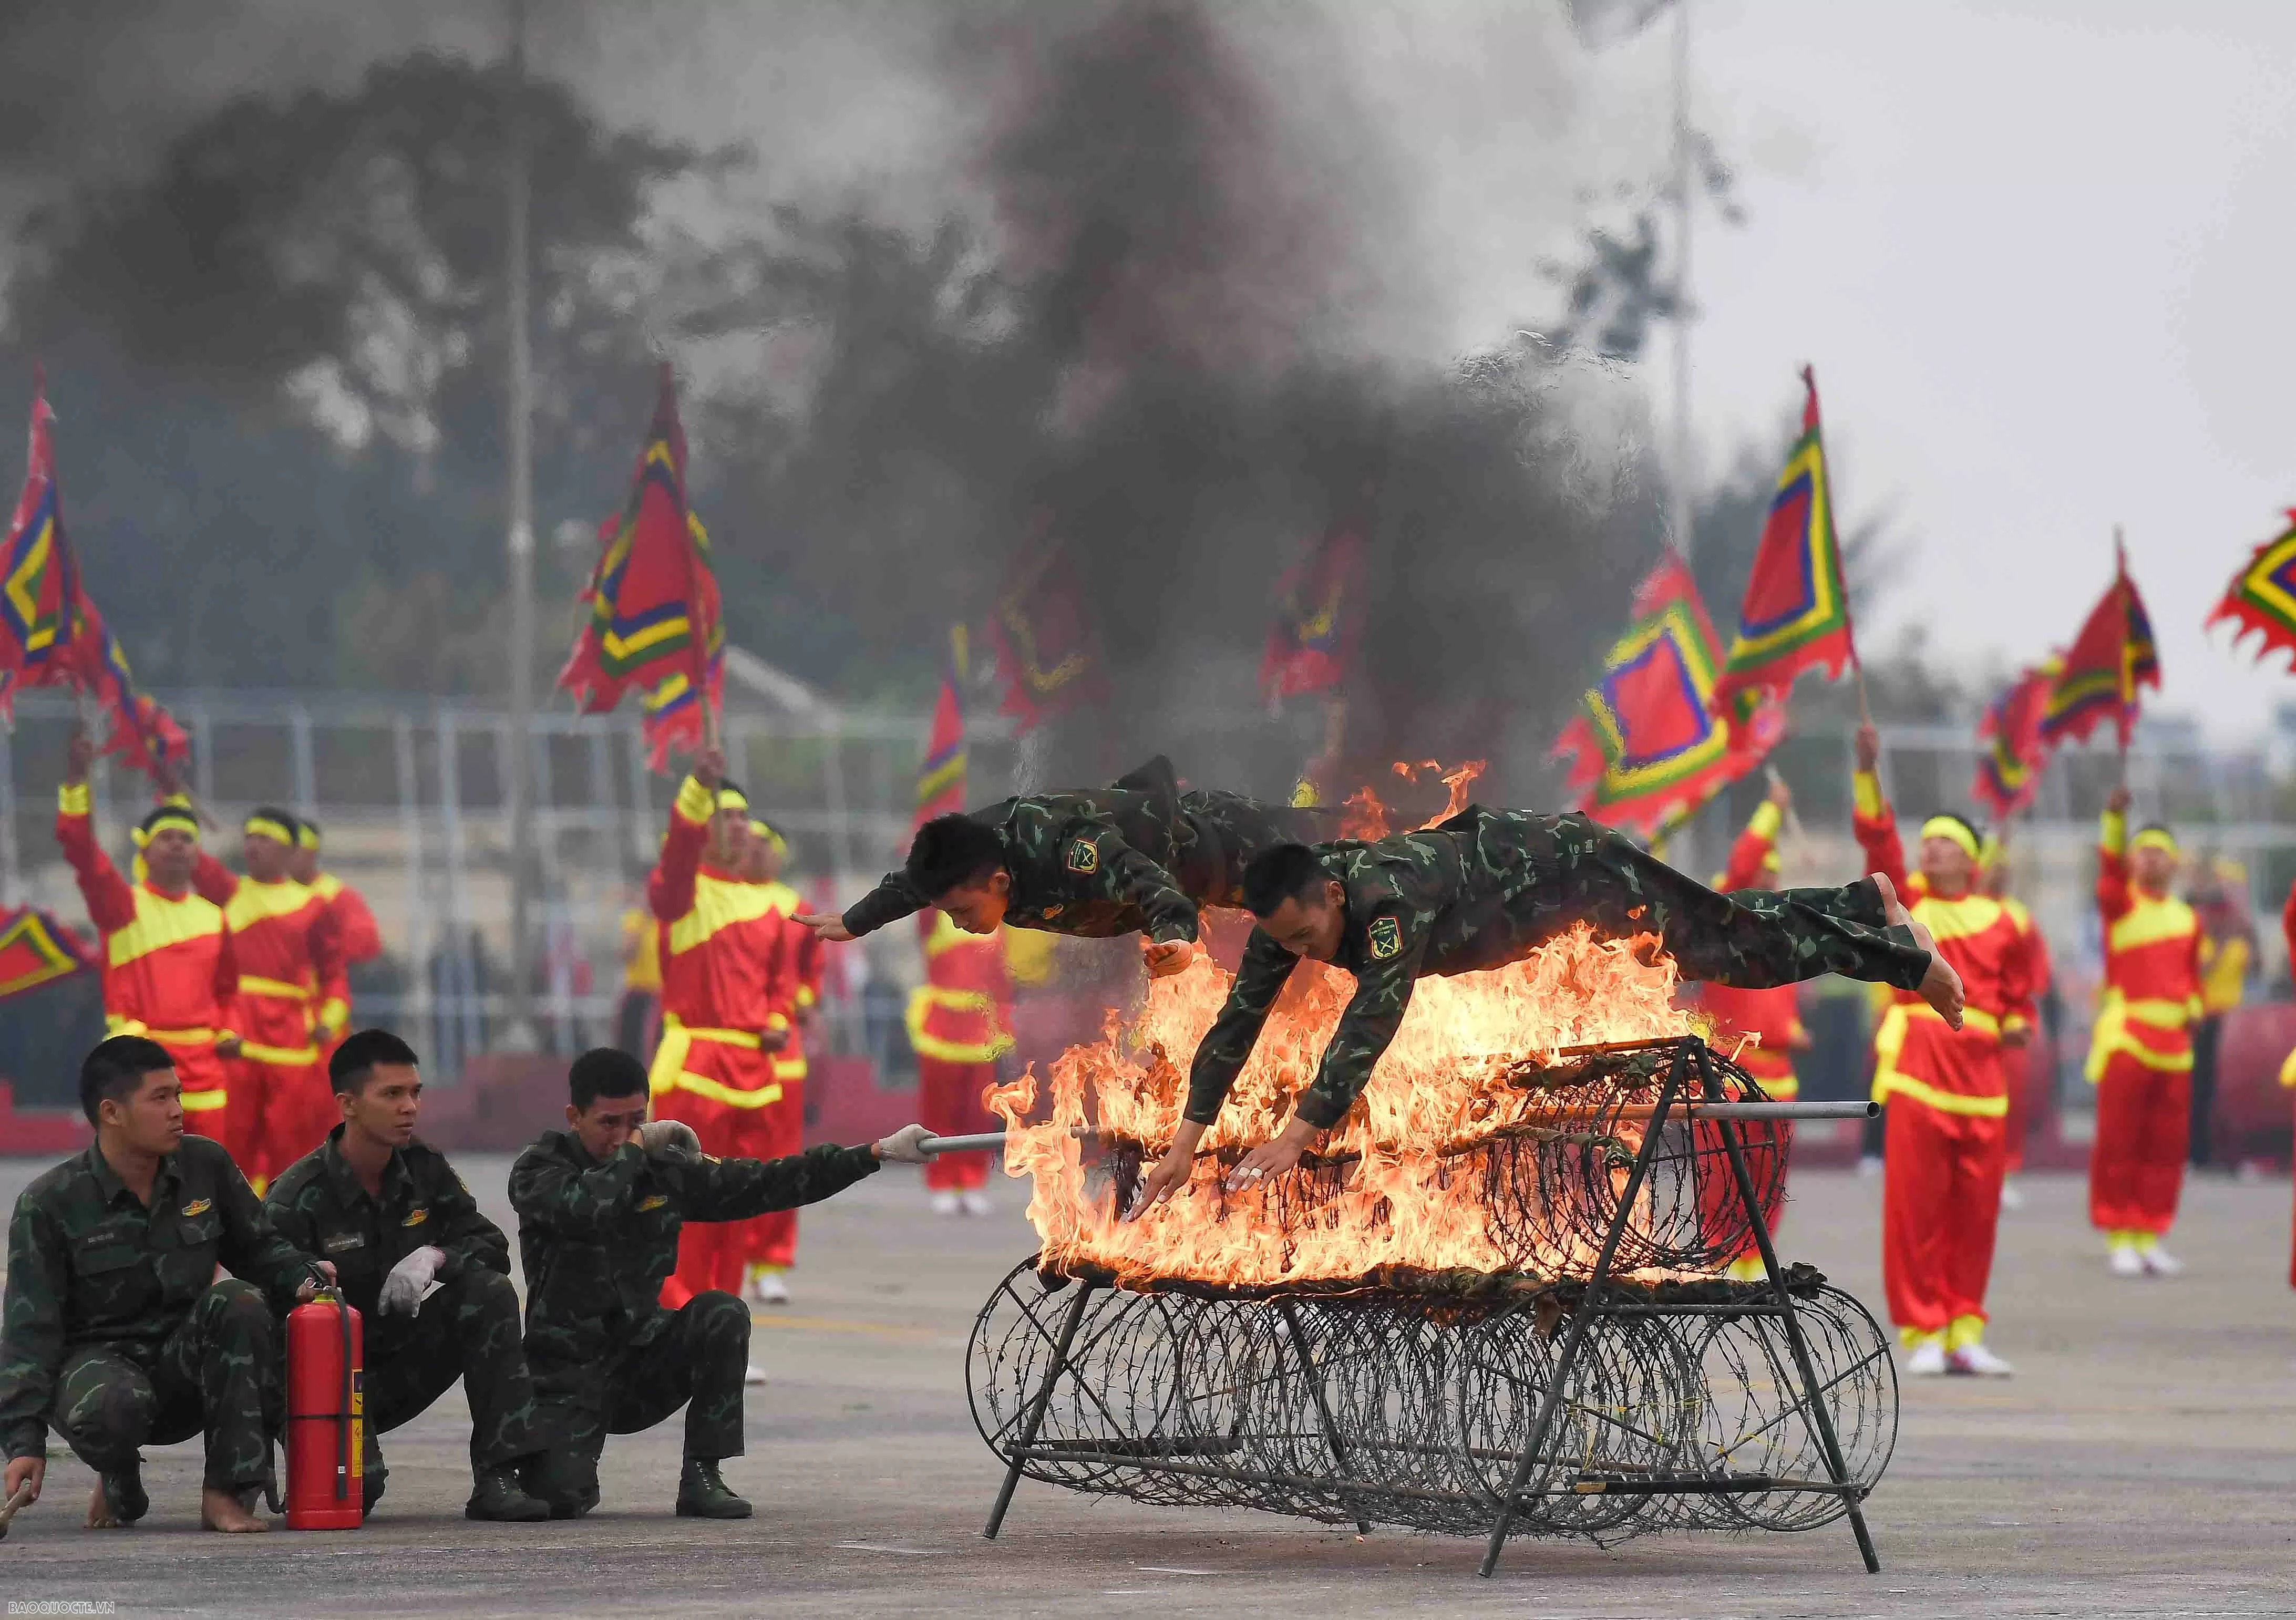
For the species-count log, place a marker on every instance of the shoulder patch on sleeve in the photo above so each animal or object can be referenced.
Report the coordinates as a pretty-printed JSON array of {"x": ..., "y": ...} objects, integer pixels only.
[
  {"x": 1386, "y": 937},
  {"x": 1084, "y": 856}
]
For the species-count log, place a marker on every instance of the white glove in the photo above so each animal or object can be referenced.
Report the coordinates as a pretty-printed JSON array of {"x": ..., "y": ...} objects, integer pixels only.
[
  {"x": 901, "y": 1147},
  {"x": 670, "y": 1139},
  {"x": 402, "y": 1290}
]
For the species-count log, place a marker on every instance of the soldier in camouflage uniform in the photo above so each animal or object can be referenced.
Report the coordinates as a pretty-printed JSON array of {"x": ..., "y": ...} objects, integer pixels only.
[
  {"x": 1484, "y": 888},
  {"x": 600, "y": 1205},
  {"x": 394, "y": 1217},
  {"x": 1137, "y": 857},
  {"x": 117, "y": 1332}
]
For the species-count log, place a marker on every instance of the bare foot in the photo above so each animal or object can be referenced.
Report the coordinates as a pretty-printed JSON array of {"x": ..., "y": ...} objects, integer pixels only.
[
  {"x": 220, "y": 1511},
  {"x": 100, "y": 1516},
  {"x": 1941, "y": 986}
]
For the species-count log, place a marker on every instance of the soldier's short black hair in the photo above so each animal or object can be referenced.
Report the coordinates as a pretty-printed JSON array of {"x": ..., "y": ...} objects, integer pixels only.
[
  {"x": 114, "y": 1070},
  {"x": 951, "y": 851},
  {"x": 355, "y": 1059},
  {"x": 1276, "y": 875},
  {"x": 604, "y": 1071}
]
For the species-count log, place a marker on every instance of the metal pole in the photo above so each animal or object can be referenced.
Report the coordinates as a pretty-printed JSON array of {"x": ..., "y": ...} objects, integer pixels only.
[
  {"x": 1821, "y": 1420},
  {"x": 1590, "y": 1306},
  {"x": 1680, "y": 492},
  {"x": 1033, "y": 1419},
  {"x": 521, "y": 797},
  {"x": 11, "y": 875}
]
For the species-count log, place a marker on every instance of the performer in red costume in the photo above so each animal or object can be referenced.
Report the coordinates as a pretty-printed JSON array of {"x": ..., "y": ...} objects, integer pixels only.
[
  {"x": 1949, "y": 1105},
  {"x": 1762, "y": 1028},
  {"x": 2140, "y": 1057}
]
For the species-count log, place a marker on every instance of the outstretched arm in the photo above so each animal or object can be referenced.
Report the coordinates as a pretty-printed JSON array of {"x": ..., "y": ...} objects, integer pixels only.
[
  {"x": 669, "y": 887},
  {"x": 2112, "y": 898},
  {"x": 1220, "y": 1057},
  {"x": 1754, "y": 855},
  {"x": 736, "y": 1189},
  {"x": 1872, "y": 818}
]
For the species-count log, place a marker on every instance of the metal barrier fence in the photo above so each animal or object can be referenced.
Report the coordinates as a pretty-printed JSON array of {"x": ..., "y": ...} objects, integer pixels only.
[{"x": 410, "y": 793}]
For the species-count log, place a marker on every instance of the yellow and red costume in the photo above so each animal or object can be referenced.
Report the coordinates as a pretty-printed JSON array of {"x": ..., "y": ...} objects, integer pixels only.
[
  {"x": 282, "y": 1104},
  {"x": 960, "y": 1022},
  {"x": 2140, "y": 1055},
  {"x": 1760, "y": 1029},
  {"x": 170, "y": 970},
  {"x": 2019, "y": 1071},
  {"x": 358, "y": 939},
  {"x": 723, "y": 984},
  {"x": 1948, "y": 1103},
  {"x": 779, "y": 1125}
]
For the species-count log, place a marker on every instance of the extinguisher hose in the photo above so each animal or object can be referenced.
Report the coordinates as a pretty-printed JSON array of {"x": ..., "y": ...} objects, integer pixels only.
[{"x": 343, "y": 1420}]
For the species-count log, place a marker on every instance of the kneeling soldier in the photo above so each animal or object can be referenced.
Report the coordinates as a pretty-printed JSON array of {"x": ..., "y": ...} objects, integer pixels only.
[
  {"x": 117, "y": 1331},
  {"x": 394, "y": 1217},
  {"x": 599, "y": 1207}
]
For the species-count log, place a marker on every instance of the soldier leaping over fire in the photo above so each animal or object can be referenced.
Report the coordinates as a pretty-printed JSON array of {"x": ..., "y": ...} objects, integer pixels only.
[
  {"x": 1485, "y": 888},
  {"x": 1138, "y": 856}
]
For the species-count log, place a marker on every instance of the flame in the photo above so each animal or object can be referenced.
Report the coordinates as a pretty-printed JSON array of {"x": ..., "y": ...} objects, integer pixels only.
[{"x": 1441, "y": 1085}]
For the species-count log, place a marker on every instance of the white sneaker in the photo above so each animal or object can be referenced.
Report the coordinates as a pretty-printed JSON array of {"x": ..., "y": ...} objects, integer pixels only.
[
  {"x": 945, "y": 1204},
  {"x": 2011, "y": 1199},
  {"x": 2125, "y": 1261},
  {"x": 753, "y": 1374},
  {"x": 1976, "y": 1362},
  {"x": 2160, "y": 1262},
  {"x": 771, "y": 1290},
  {"x": 1870, "y": 1165},
  {"x": 976, "y": 1202},
  {"x": 1927, "y": 1361}
]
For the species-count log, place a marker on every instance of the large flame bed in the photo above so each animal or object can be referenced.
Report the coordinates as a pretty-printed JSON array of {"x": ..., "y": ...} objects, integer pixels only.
[{"x": 1495, "y": 1302}]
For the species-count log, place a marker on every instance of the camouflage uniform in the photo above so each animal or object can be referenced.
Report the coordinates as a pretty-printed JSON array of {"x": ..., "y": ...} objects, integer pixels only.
[
  {"x": 1485, "y": 887},
  {"x": 467, "y": 1329},
  {"x": 1136, "y": 858},
  {"x": 597, "y": 1238},
  {"x": 117, "y": 1332}
]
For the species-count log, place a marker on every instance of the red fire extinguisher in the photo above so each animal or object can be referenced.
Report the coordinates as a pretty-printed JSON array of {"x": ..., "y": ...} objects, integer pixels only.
[{"x": 326, "y": 1485}]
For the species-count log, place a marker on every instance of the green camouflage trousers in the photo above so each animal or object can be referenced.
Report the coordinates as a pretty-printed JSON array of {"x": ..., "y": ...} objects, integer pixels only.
[
  {"x": 211, "y": 1373},
  {"x": 468, "y": 1329},
  {"x": 696, "y": 1361},
  {"x": 1753, "y": 938}
]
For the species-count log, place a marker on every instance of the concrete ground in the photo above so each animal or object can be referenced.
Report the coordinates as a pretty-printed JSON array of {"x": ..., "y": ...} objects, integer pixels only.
[{"x": 2140, "y": 1463}]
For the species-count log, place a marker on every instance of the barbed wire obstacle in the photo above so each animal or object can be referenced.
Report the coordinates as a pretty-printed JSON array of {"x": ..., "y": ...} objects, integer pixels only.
[{"x": 1601, "y": 1406}]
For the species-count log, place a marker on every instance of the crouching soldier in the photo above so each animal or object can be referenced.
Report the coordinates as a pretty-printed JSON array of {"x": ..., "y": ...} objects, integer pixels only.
[
  {"x": 117, "y": 1331},
  {"x": 599, "y": 1205},
  {"x": 395, "y": 1218}
]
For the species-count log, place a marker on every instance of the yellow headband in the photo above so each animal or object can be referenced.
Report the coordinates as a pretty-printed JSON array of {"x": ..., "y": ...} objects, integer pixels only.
[
  {"x": 263, "y": 827},
  {"x": 1952, "y": 831},
  {"x": 166, "y": 819},
  {"x": 731, "y": 798},
  {"x": 307, "y": 837},
  {"x": 2155, "y": 837}
]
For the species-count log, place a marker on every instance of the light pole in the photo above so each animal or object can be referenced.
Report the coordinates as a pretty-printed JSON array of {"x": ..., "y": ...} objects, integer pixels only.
[{"x": 520, "y": 795}]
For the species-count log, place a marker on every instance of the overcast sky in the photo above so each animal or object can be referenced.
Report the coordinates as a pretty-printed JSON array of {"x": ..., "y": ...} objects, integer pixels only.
[{"x": 2043, "y": 255}]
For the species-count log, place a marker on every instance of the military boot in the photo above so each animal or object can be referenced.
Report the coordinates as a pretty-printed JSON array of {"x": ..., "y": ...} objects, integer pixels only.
[
  {"x": 497, "y": 1495},
  {"x": 123, "y": 1489},
  {"x": 702, "y": 1494}
]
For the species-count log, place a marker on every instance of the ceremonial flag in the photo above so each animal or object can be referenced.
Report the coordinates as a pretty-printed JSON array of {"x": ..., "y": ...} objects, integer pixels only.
[
  {"x": 1796, "y": 614},
  {"x": 940, "y": 781},
  {"x": 1649, "y": 746},
  {"x": 1318, "y": 612},
  {"x": 38, "y": 582},
  {"x": 2262, "y": 597},
  {"x": 2110, "y": 660},
  {"x": 1046, "y": 652},
  {"x": 142, "y": 733},
  {"x": 654, "y": 622},
  {"x": 35, "y": 949},
  {"x": 2012, "y": 752}
]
